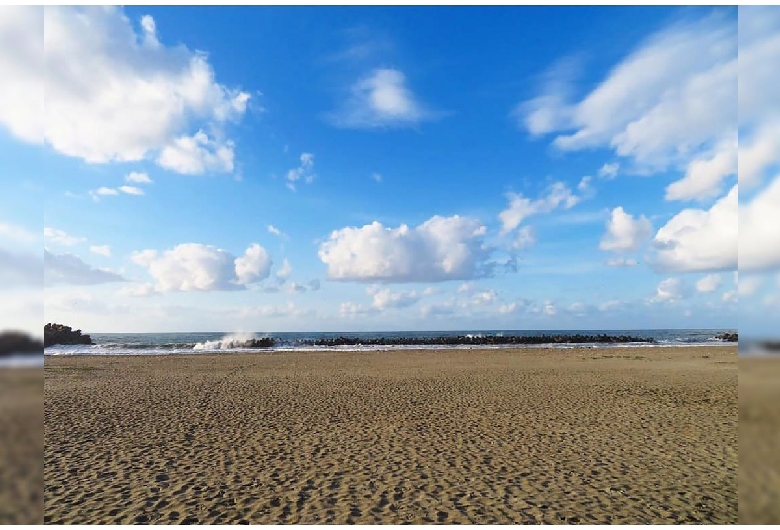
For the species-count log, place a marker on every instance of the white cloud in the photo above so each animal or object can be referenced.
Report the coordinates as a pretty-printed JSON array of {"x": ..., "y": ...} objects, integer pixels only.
[
  {"x": 386, "y": 299},
  {"x": 253, "y": 266},
  {"x": 302, "y": 172},
  {"x": 352, "y": 309},
  {"x": 758, "y": 151},
  {"x": 70, "y": 269},
  {"x": 284, "y": 271},
  {"x": 103, "y": 250},
  {"x": 22, "y": 64},
  {"x": 609, "y": 170},
  {"x": 669, "y": 290},
  {"x": 377, "y": 177},
  {"x": 624, "y": 233},
  {"x": 730, "y": 297},
  {"x": 197, "y": 154},
  {"x": 131, "y": 190},
  {"x": 381, "y": 99},
  {"x": 749, "y": 285},
  {"x": 275, "y": 231},
  {"x": 622, "y": 262},
  {"x": 704, "y": 176},
  {"x": 295, "y": 287},
  {"x": 104, "y": 191},
  {"x": 59, "y": 237},
  {"x": 464, "y": 288},
  {"x": 549, "y": 309},
  {"x": 700, "y": 240},
  {"x": 524, "y": 238},
  {"x": 610, "y": 305},
  {"x": 759, "y": 230},
  {"x": 558, "y": 196},
  {"x": 139, "y": 290},
  {"x": 138, "y": 178},
  {"x": 485, "y": 297},
  {"x": 197, "y": 267},
  {"x": 117, "y": 94},
  {"x": 441, "y": 248},
  {"x": 512, "y": 307},
  {"x": 23, "y": 269},
  {"x": 16, "y": 234},
  {"x": 709, "y": 283},
  {"x": 671, "y": 98}
]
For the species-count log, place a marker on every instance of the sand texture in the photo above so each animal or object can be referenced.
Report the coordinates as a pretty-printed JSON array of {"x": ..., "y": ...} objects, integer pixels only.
[
  {"x": 614, "y": 435},
  {"x": 759, "y": 441},
  {"x": 21, "y": 445}
]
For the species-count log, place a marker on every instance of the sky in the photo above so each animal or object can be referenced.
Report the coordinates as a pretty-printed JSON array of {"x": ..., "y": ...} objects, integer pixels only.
[{"x": 389, "y": 168}]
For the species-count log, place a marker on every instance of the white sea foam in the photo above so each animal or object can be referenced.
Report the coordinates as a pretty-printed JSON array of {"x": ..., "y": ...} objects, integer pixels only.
[{"x": 233, "y": 341}]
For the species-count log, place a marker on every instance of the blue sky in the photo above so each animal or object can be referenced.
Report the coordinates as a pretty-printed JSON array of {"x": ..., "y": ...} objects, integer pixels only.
[{"x": 317, "y": 168}]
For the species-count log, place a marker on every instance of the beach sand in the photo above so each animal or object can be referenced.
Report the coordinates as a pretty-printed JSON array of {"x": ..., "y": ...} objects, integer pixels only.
[
  {"x": 21, "y": 445},
  {"x": 759, "y": 440},
  {"x": 582, "y": 435}
]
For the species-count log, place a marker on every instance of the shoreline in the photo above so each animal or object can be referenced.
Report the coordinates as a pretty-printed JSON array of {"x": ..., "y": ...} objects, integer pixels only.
[{"x": 590, "y": 435}]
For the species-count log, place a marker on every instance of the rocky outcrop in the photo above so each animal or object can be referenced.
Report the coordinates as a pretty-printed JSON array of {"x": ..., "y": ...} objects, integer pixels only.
[
  {"x": 728, "y": 337},
  {"x": 478, "y": 340},
  {"x": 18, "y": 342},
  {"x": 265, "y": 342},
  {"x": 60, "y": 334}
]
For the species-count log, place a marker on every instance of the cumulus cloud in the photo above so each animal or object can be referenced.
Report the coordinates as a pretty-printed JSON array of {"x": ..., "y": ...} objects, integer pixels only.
[
  {"x": 60, "y": 237},
  {"x": 70, "y": 269},
  {"x": 139, "y": 290},
  {"x": 748, "y": 286},
  {"x": 284, "y": 271},
  {"x": 700, "y": 240},
  {"x": 485, "y": 297},
  {"x": 303, "y": 172},
  {"x": 22, "y": 64},
  {"x": 114, "y": 91},
  {"x": 669, "y": 290},
  {"x": 464, "y": 288},
  {"x": 520, "y": 207},
  {"x": 381, "y": 99},
  {"x": 386, "y": 299},
  {"x": 441, "y": 248},
  {"x": 709, "y": 283},
  {"x": 103, "y": 250},
  {"x": 705, "y": 174},
  {"x": 609, "y": 170},
  {"x": 197, "y": 267},
  {"x": 196, "y": 154},
  {"x": 524, "y": 239},
  {"x": 624, "y": 233},
  {"x": 138, "y": 178},
  {"x": 106, "y": 192},
  {"x": 759, "y": 230},
  {"x": 611, "y": 305},
  {"x": 20, "y": 269},
  {"x": 253, "y": 266}
]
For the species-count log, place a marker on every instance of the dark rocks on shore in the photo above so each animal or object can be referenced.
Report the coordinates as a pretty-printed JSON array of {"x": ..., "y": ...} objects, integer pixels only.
[
  {"x": 728, "y": 337},
  {"x": 478, "y": 340},
  {"x": 264, "y": 342},
  {"x": 19, "y": 342},
  {"x": 60, "y": 334}
]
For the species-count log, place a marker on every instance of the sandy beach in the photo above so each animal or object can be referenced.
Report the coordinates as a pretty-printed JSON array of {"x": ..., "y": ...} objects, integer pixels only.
[
  {"x": 21, "y": 445},
  {"x": 759, "y": 440},
  {"x": 581, "y": 435}
]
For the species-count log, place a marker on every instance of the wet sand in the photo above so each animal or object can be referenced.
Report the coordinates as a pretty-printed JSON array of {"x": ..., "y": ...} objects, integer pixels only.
[
  {"x": 21, "y": 445},
  {"x": 610, "y": 435}
]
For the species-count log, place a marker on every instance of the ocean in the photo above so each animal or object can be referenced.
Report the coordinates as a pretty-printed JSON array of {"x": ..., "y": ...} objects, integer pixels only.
[{"x": 222, "y": 342}]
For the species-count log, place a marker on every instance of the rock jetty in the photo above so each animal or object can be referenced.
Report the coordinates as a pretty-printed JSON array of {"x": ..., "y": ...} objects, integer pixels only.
[
  {"x": 18, "y": 342},
  {"x": 728, "y": 337},
  {"x": 477, "y": 340},
  {"x": 60, "y": 334}
]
